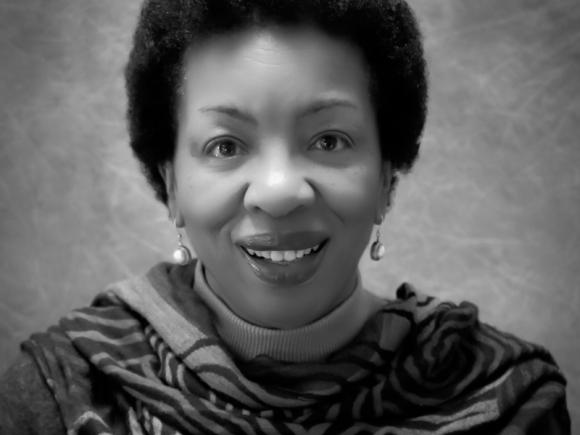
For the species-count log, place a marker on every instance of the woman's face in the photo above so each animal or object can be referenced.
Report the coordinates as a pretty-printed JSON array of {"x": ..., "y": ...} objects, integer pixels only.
[{"x": 277, "y": 176}]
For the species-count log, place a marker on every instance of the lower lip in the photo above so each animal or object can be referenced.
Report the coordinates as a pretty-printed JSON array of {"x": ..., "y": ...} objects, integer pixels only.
[{"x": 290, "y": 273}]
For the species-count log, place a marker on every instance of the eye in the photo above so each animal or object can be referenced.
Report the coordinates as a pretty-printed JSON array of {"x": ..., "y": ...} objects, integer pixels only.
[
  {"x": 224, "y": 148},
  {"x": 331, "y": 142}
]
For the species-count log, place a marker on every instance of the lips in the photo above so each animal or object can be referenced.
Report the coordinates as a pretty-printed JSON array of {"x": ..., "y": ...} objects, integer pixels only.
[
  {"x": 280, "y": 256},
  {"x": 282, "y": 241},
  {"x": 284, "y": 258}
]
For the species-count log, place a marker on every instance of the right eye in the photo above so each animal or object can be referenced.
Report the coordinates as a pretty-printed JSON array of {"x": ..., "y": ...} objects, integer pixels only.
[{"x": 224, "y": 148}]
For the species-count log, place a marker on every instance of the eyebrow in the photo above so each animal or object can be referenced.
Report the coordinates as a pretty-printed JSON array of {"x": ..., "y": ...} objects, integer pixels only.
[
  {"x": 231, "y": 111},
  {"x": 309, "y": 109},
  {"x": 324, "y": 104}
]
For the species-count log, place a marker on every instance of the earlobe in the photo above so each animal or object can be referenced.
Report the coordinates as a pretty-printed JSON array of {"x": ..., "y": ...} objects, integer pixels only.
[
  {"x": 168, "y": 174},
  {"x": 389, "y": 183},
  {"x": 390, "y": 194}
]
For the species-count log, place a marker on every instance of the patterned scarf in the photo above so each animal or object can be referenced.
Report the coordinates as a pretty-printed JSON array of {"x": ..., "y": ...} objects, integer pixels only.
[{"x": 132, "y": 363}]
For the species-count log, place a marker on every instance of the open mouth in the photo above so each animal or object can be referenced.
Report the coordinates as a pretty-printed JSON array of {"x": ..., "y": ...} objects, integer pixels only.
[
  {"x": 284, "y": 259},
  {"x": 284, "y": 256},
  {"x": 285, "y": 267}
]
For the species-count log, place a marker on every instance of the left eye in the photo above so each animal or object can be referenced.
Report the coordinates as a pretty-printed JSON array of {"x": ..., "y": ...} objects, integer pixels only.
[
  {"x": 330, "y": 142},
  {"x": 224, "y": 148}
]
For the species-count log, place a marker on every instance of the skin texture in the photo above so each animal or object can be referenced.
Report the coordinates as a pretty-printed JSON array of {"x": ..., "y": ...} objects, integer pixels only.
[{"x": 258, "y": 153}]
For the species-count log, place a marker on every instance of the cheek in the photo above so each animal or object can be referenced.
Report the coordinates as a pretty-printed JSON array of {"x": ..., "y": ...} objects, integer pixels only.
[
  {"x": 352, "y": 193},
  {"x": 208, "y": 201}
]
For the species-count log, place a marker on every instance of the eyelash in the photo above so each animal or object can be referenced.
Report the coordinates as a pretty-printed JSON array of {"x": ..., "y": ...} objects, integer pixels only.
[
  {"x": 335, "y": 135},
  {"x": 213, "y": 146}
]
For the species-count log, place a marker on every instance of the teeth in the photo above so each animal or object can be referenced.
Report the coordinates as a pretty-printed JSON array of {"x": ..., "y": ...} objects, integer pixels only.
[{"x": 279, "y": 256}]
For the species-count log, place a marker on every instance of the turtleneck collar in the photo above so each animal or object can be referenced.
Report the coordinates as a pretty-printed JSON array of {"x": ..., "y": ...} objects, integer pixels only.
[{"x": 312, "y": 342}]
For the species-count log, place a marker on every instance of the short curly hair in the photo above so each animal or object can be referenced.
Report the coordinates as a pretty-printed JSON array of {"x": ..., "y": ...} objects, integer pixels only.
[{"x": 385, "y": 31}]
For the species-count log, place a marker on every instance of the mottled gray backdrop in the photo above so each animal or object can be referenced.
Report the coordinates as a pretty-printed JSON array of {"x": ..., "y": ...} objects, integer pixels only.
[{"x": 490, "y": 214}]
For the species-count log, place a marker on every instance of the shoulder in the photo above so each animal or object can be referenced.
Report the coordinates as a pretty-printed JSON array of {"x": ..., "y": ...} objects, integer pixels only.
[
  {"x": 448, "y": 356},
  {"x": 60, "y": 374},
  {"x": 26, "y": 402},
  {"x": 63, "y": 369}
]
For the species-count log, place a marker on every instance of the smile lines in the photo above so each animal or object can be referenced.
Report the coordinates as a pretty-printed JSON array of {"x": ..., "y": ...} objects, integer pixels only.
[{"x": 280, "y": 256}]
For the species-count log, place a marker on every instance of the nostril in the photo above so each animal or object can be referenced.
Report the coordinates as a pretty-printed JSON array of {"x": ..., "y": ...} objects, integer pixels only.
[{"x": 279, "y": 198}]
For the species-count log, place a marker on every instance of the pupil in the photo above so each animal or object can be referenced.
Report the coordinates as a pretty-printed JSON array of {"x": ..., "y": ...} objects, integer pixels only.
[
  {"x": 328, "y": 142},
  {"x": 226, "y": 148}
]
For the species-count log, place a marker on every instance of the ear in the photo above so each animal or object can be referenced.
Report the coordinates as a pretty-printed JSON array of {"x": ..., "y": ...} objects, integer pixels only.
[
  {"x": 167, "y": 172},
  {"x": 387, "y": 192}
]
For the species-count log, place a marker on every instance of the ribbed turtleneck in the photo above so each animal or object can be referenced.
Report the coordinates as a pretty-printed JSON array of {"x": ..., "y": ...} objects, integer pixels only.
[{"x": 312, "y": 342}]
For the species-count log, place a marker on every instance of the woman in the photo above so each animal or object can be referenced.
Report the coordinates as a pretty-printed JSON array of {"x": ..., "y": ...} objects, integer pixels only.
[{"x": 274, "y": 132}]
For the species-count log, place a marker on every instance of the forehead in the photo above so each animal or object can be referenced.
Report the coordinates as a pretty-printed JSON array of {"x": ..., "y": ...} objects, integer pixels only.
[{"x": 275, "y": 62}]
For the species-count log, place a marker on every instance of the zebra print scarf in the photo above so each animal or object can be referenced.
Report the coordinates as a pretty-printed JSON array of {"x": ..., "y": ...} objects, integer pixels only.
[{"x": 131, "y": 363}]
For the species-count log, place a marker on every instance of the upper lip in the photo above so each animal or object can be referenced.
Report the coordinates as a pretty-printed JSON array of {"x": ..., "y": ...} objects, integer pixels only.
[{"x": 282, "y": 241}]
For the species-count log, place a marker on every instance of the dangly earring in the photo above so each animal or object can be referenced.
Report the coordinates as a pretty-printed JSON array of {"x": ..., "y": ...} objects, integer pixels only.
[
  {"x": 377, "y": 248},
  {"x": 182, "y": 255}
]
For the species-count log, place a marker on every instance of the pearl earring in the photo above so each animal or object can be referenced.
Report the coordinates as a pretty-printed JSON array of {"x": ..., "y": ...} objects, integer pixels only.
[
  {"x": 377, "y": 248},
  {"x": 182, "y": 254}
]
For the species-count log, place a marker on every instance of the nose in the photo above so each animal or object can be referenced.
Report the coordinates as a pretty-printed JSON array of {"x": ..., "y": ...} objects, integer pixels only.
[{"x": 279, "y": 186}]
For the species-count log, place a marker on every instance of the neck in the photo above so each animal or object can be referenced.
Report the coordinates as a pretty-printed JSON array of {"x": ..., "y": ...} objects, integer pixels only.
[{"x": 311, "y": 342}]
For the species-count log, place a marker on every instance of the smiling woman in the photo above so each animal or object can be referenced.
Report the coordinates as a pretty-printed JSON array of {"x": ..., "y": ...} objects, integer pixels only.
[
  {"x": 277, "y": 152},
  {"x": 275, "y": 132}
]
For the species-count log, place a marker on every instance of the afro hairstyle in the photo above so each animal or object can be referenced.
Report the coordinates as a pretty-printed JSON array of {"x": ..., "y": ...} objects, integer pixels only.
[{"x": 385, "y": 31}]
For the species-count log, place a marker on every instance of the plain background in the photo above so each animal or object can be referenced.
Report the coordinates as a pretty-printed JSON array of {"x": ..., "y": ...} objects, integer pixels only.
[{"x": 490, "y": 213}]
